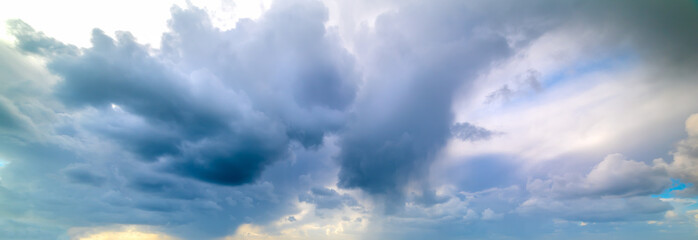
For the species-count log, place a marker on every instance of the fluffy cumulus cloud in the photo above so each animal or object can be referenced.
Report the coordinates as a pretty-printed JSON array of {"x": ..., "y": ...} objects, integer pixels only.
[
  {"x": 685, "y": 158},
  {"x": 614, "y": 176},
  {"x": 356, "y": 120},
  {"x": 616, "y": 188}
]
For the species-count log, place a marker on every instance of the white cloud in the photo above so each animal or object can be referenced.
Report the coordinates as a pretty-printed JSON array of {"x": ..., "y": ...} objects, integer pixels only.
[
  {"x": 488, "y": 214},
  {"x": 146, "y": 20}
]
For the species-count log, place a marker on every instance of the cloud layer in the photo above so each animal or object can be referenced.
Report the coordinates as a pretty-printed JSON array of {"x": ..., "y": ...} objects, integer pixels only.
[{"x": 365, "y": 120}]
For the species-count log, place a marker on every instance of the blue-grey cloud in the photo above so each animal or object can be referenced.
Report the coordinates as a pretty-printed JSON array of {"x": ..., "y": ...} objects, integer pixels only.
[
  {"x": 37, "y": 42},
  {"x": 81, "y": 175},
  {"x": 325, "y": 198},
  {"x": 384, "y": 150},
  {"x": 219, "y": 128},
  {"x": 526, "y": 82},
  {"x": 615, "y": 176},
  {"x": 218, "y": 124},
  {"x": 468, "y": 132}
]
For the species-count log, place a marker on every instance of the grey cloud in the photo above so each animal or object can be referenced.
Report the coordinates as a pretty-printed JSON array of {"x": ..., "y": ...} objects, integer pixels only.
[
  {"x": 84, "y": 176},
  {"x": 530, "y": 80},
  {"x": 220, "y": 123},
  {"x": 482, "y": 172},
  {"x": 217, "y": 123},
  {"x": 413, "y": 60},
  {"x": 615, "y": 176},
  {"x": 384, "y": 150},
  {"x": 287, "y": 63},
  {"x": 248, "y": 113},
  {"x": 598, "y": 210},
  {"x": 649, "y": 25},
  {"x": 325, "y": 198},
  {"x": 502, "y": 94},
  {"x": 12, "y": 121},
  {"x": 616, "y": 189},
  {"x": 18, "y": 230},
  {"x": 427, "y": 197},
  {"x": 163, "y": 186},
  {"x": 618, "y": 176},
  {"x": 37, "y": 42},
  {"x": 468, "y": 132},
  {"x": 194, "y": 123},
  {"x": 685, "y": 159},
  {"x": 22, "y": 92}
]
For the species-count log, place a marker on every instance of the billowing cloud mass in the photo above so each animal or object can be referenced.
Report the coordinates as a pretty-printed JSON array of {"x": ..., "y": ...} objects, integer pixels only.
[{"x": 354, "y": 120}]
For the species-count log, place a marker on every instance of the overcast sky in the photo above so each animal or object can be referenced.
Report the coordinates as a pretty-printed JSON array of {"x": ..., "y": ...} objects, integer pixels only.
[{"x": 303, "y": 119}]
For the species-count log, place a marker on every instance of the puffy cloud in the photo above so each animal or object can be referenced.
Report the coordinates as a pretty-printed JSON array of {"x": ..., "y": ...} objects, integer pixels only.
[
  {"x": 615, "y": 189},
  {"x": 218, "y": 123},
  {"x": 615, "y": 176},
  {"x": 685, "y": 163},
  {"x": 37, "y": 42}
]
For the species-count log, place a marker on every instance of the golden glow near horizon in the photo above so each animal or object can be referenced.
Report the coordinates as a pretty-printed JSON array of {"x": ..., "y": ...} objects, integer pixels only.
[{"x": 122, "y": 233}]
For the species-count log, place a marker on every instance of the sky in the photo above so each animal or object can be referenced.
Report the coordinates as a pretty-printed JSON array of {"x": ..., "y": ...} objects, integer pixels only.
[{"x": 331, "y": 119}]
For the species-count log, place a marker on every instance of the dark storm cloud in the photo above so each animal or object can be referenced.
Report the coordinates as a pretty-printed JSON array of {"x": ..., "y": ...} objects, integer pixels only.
[
  {"x": 220, "y": 122},
  {"x": 203, "y": 137},
  {"x": 405, "y": 107},
  {"x": 414, "y": 63},
  {"x": 287, "y": 63},
  {"x": 222, "y": 116}
]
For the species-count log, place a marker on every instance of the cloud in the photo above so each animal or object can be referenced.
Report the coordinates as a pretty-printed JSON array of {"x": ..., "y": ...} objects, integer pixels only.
[
  {"x": 616, "y": 189},
  {"x": 643, "y": 19},
  {"x": 525, "y": 83},
  {"x": 488, "y": 214},
  {"x": 468, "y": 132},
  {"x": 615, "y": 176},
  {"x": 289, "y": 126},
  {"x": 214, "y": 123},
  {"x": 598, "y": 209},
  {"x": 685, "y": 163},
  {"x": 325, "y": 198},
  {"x": 37, "y": 42},
  {"x": 503, "y": 93},
  {"x": 412, "y": 64},
  {"x": 130, "y": 127},
  {"x": 78, "y": 174}
]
